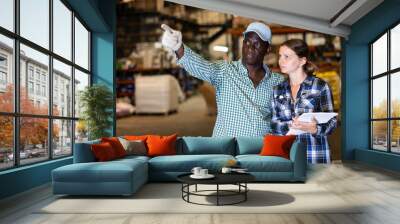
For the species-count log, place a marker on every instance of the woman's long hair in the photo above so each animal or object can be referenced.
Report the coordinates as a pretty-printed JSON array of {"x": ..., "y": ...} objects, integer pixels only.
[{"x": 301, "y": 49}]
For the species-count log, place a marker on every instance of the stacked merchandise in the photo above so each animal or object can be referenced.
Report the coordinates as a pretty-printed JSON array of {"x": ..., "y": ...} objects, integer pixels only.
[
  {"x": 124, "y": 107},
  {"x": 125, "y": 86},
  {"x": 148, "y": 56},
  {"x": 145, "y": 5},
  {"x": 333, "y": 80},
  {"x": 157, "y": 94}
]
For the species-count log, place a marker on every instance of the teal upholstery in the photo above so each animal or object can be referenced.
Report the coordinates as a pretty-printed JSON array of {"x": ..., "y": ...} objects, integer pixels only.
[
  {"x": 183, "y": 164},
  {"x": 126, "y": 175},
  {"x": 119, "y": 177},
  {"x": 259, "y": 163},
  {"x": 270, "y": 168},
  {"x": 186, "y": 162},
  {"x": 128, "y": 159},
  {"x": 83, "y": 152},
  {"x": 206, "y": 145},
  {"x": 298, "y": 155},
  {"x": 249, "y": 145}
]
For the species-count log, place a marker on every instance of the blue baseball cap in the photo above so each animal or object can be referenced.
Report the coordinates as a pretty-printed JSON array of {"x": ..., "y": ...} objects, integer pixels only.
[{"x": 262, "y": 30}]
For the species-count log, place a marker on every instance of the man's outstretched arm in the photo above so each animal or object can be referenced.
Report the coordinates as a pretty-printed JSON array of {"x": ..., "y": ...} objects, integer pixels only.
[{"x": 193, "y": 63}]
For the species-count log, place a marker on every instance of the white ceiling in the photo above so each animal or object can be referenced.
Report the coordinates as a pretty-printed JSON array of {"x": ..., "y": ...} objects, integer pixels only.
[{"x": 315, "y": 15}]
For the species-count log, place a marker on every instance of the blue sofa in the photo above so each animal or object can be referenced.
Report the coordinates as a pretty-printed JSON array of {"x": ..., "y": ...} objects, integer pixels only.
[{"x": 125, "y": 176}]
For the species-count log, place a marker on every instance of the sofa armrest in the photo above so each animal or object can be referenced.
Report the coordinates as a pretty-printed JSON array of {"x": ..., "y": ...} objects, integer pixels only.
[
  {"x": 83, "y": 152},
  {"x": 298, "y": 155}
]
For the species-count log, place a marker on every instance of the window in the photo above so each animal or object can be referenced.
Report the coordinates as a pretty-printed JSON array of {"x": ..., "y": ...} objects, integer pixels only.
[
  {"x": 3, "y": 82},
  {"x": 7, "y": 142},
  {"x": 81, "y": 45},
  {"x": 30, "y": 73},
  {"x": 38, "y": 89},
  {"x": 54, "y": 125},
  {"x": 62, "y": 74},
  {"x": 3, "y": 61},
  {"x": 62, "y": 140},
  {"x": 395, "y": 47},
  {"x": 55, "y": 102},
  {"x": 81, "y": 81},
  {"x": 33, "y": 149},
  {"x": 43, "y": 90},
  {"x": 62, "y": 29},
  {"x": 7, "y": 74},
  {"x": 3, "y": 72},
  {"x": 34, "y": 21},
  {"x": 3, "y": 78},
  {"x": 385, "y": 96},
  {"x": 30, "y": 87},
  {"x": 7, "y": 14},
  {"x": 37, "y": 74}
]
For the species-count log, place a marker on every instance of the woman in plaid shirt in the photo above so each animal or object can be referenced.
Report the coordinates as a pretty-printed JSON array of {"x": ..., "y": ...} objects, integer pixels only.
[{"x": 302, "y": 93}]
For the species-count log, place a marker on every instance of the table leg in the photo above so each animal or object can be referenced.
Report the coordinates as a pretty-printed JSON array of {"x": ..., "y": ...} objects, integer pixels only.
[
  {"x": 188, "y": 190},
  {"x": 182, "y": 189},
  {"x": 245, "y": 191},
  {"x": 217, "y": 194}
]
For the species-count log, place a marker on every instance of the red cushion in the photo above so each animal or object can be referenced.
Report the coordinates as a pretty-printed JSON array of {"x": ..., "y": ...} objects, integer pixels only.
[
  {"x": 161, "y": 145},
  {"x": 103, "y": 151},
  {"x": 116, "y": 145},
  {"x": 275, "y": 145}
]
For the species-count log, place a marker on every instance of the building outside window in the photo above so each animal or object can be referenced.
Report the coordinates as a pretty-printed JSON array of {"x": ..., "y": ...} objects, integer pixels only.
[
  {"x": 3, "y": 81},
  {"x": 55, "y": 96}
]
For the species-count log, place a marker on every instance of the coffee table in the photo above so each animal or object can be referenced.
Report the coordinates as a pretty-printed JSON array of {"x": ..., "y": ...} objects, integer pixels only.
[{"x": 238, "y": 179}]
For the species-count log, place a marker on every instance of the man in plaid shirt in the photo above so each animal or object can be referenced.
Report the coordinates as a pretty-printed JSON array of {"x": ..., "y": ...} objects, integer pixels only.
[
  {"x": 314, "y": 96},
  {"x": 243, "y": 87}
]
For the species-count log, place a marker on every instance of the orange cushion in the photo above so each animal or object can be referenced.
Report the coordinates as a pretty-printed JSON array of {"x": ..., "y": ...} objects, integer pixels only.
[
  {"x": 275, "y": 145},
  {"x": 103, "y": 151},
  {"x": 116, "y": 145},
  {"x": 136, "y": 137},
  {"x": 161, "y": 145}
]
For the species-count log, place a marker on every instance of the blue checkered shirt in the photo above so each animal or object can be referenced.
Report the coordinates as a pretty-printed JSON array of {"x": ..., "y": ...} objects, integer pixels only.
[
  {"x": 243, "y": 110},
  {"x": 314, "y": 95}
]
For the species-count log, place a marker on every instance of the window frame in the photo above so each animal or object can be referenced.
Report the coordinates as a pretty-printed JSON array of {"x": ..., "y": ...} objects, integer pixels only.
[
  {"x": 388, "y": 74},
  {"x": 16, "y": 114}
]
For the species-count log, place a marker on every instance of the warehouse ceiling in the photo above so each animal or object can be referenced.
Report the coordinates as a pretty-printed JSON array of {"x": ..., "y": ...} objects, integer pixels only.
[{"x": 325, "y": 16}]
